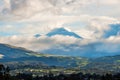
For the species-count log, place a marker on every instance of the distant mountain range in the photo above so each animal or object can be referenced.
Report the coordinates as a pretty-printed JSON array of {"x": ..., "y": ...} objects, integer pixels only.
[
  {"x": 96, "y": 49},
  {"x": 8, "y": 51},
  {"x": 20, "y": 55},
  {"x": 17, "y": 54},
  {"x": 62, "y": 31},
  {"x": 91, "y": 50}
]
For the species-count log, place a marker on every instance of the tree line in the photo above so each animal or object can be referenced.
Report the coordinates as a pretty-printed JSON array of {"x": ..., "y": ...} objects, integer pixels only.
[{"x": 5, "y": 75}]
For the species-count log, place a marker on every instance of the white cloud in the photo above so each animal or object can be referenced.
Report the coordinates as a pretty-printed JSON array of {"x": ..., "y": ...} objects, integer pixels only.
[
  {"x": 113, "y": 39},
  {"x": 1, "y": 56},
  {"x": 22, "y": 9},
  {"x": 28, "y": 17},
  {"x": 41, "y": 43},
  {"x": 94, "y": 25},
  {"x": 110, "y": 2},
  {"x": 100, "y": 25}
]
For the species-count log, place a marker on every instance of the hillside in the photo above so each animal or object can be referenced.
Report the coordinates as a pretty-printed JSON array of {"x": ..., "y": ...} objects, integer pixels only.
[
  {"x": 20, "y": 57},
  {"x": 105, "y": 64},
  {"x": 12, "y": 54}
]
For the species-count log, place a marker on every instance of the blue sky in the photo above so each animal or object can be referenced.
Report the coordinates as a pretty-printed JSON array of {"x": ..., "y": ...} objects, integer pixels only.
[{"x": 20, "y": 20}]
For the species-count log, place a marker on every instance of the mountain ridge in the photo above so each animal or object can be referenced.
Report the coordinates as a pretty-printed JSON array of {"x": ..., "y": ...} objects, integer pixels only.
[
  {"x": 62, "y": 31},
  {"x": 102, "y": 63},
  {"x": 13, "y": 51}
]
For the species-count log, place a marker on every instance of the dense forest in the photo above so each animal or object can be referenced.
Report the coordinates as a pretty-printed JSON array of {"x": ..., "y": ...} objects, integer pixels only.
[{"x": 5, "y": 75}]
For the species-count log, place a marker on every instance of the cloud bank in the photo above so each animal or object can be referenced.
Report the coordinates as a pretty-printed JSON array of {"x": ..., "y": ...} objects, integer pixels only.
[{"x": 96, "y": 21}]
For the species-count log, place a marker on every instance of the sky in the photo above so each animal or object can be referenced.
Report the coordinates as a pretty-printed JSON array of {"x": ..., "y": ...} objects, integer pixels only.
[{"x": 20, "y": 20}]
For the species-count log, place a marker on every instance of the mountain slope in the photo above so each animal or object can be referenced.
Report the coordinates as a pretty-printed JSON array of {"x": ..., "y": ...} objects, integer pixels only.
[
  {"x": 20, "y": 55},
  {"x": 15, "y": 55},
  {"x": 62, "y": 31},
  {"x": 9, "y": 51},
  {"x": 105, "y": 64}
]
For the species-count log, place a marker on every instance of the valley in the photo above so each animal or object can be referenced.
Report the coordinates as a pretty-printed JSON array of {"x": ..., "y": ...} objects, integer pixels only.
[{"x": 39, "y": 64}]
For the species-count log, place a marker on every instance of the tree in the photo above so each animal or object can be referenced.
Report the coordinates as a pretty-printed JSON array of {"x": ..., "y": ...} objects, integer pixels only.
[
  {"x": 7, "y": 73},
  {"x": 2, "y": 71}
]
